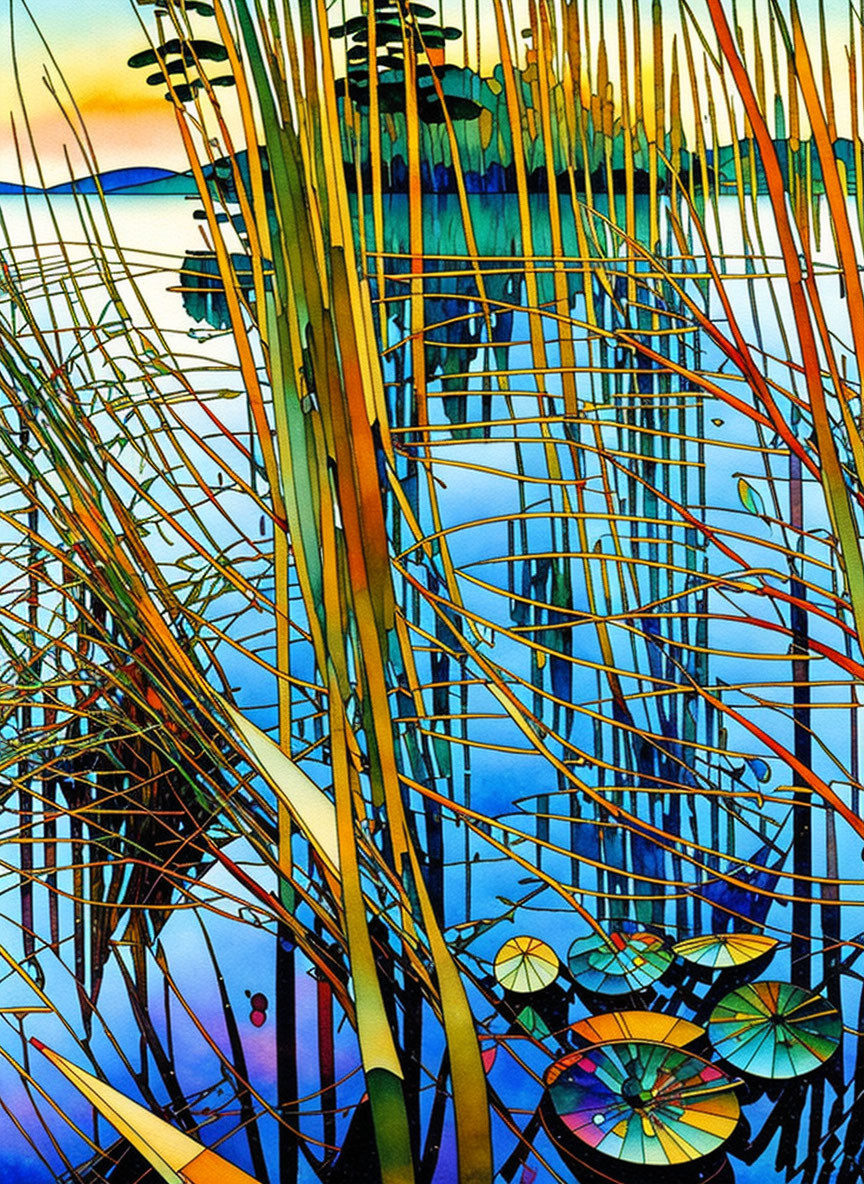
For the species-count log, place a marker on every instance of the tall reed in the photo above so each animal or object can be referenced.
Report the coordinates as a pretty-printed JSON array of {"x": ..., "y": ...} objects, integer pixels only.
[{"x": 655, "y": 477}]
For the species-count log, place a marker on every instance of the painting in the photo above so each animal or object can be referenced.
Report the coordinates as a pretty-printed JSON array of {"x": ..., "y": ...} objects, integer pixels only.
[{"x": 432, "y": 566}]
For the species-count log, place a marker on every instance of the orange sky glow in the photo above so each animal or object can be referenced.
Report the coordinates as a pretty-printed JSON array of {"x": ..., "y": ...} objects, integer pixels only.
[{"x": 128, "y": 122}]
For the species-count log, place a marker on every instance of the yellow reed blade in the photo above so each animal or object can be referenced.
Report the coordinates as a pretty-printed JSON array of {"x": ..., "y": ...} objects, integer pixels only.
[{"x": 175, "y": 1156}]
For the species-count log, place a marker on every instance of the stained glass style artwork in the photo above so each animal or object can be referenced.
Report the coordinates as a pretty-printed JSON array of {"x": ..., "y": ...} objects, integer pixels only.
[
  {"x": 532, "y": 1022},
  {"x": 620, "y": 963},
  {"x": 173, "y": 1155},
  {"x": 644, "y": 1103},
  {"x": 773, "y": 1029},
  {"x": 431, "y": 591},
  {"x": 526, "y": 964},
  {"x": 655, "y": 1026},
  {"x": 719, "y": 951}
]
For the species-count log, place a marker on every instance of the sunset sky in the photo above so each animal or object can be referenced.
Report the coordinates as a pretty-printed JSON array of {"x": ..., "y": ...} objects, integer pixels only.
[{"x": 131, "y": 123}]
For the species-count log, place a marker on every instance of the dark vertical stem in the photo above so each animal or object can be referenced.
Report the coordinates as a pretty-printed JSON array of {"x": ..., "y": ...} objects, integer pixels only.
[
  {"x": 25, "y": 807},
  {"x": 76, "y": 832},
  {"x": 244, "y": 1095},
  {"x": 49, "y": 794},
  {"x": 830, "y": 913},
  {"x": 326, "y": 1061},
  {"x": 412, "y": 1039},
  {"x": 435, "y": 1126},
  {"x": 286, "y": 1054}
]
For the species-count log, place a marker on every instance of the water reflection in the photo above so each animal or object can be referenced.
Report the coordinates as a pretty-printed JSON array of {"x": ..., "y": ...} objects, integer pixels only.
[{"x": 587, "y": 582}]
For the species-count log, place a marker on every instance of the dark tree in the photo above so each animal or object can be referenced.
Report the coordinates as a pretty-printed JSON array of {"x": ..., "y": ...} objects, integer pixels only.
[{"x": 396, "y": 22}]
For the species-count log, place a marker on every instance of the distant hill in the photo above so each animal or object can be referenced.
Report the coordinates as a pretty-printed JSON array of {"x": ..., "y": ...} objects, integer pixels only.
[
  {"x": 182, "y": 183},
  {"x": 115, "y": 180},
  {"x": 9, "y": 187},
  {"x": 118, "y": 182}
]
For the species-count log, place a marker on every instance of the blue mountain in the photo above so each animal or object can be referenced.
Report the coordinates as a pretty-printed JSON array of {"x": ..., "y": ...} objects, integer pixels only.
[
  {"x": 10, "y": 187},
  {"x": 114, "y": 179}
]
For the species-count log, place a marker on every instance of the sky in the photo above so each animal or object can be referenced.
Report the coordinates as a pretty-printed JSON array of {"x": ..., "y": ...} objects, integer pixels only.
[{"x": 131, "y": 123}]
